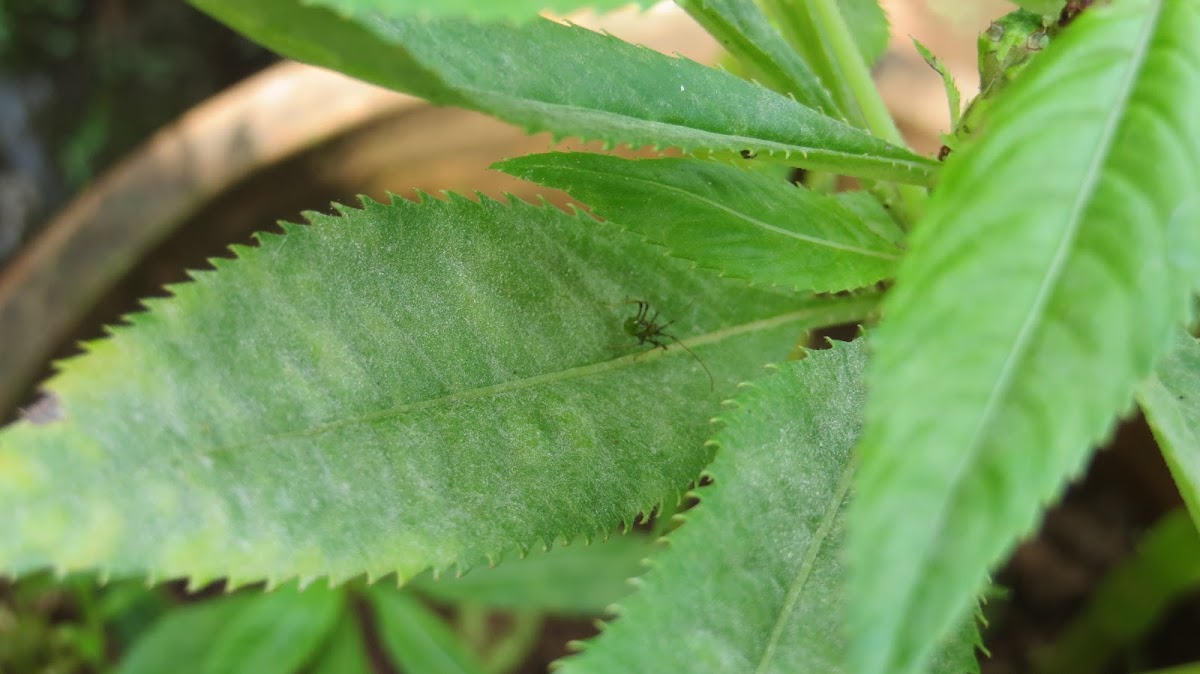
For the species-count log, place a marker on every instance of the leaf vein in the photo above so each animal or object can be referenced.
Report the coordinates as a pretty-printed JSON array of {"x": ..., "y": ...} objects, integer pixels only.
[
  {"x": 796, "y": 587},
  {"x": 752, "y": 220},
  {"x": 1021, "y": 344},
  {"x": 844, "y": 309}
]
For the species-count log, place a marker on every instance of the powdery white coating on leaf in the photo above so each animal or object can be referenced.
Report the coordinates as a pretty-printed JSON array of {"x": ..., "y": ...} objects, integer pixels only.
[
  {"x": 753, "y": 580},
  {"x": 403, "y": 386},
  {"x": 1037, "y": 292}
]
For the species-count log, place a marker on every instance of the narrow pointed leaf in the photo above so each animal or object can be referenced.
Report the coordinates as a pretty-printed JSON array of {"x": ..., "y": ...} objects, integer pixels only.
[
  {"x": 1037, "y": 292},
  {"x": 800, "y": 21},
  {"x": 1171, "y": 401},
  {"x": 344, "y": 651},
  {"x": 485, "y": 9},
  {"x": 269, "y": 633},
  {"x": 1133, "y": 599},
  {"x": 405, "y": 386},
  {"x": 742, "y": 28},
  {"x": 415, "y": 637},
  {"x": 740, "y": 223},
  {"x": 579, "y": 580},
  {"x": 753, "y": 581},
  {"x": 570, "y": 81},
  {"x": 953, "y": 97}
]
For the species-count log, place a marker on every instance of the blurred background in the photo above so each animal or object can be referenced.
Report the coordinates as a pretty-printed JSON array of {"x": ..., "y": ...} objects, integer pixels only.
[{"x": 138, "y": 139}]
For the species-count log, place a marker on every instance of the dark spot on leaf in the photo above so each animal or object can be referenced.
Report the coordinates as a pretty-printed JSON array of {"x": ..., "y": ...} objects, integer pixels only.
[
  {"x": 747, "y": 154},
  {"x": 45, "y": 410}
]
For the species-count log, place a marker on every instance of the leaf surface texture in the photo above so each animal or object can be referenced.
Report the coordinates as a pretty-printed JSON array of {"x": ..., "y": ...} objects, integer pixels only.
[
  {"x": 743, "y": 29},
  {"x": 753, "y": 580},
  {"x": 1171, "y": 401},
  {"x": 740, "y": 223},
  {"x": 570, "y": 81},
  {"x": 1038, "y": 290},
  {"x": 404, "y": 386}
]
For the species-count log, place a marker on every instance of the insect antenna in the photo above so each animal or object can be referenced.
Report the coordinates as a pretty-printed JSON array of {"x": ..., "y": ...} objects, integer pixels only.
[{"x": 711, "y": 382}]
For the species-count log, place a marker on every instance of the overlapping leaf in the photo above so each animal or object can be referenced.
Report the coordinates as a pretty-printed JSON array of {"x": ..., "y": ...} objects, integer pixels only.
[
  {"x": 574, "y": 580},
  {"x": 416, "y": 638},
  {"x": 402, "y": 387},
  {"x": 481, "y": 9},
  {"x": 1036, "y": 293},
  {"x": 805, "y": 23},
  {"x": 344, "y": 651},
  {"x": 743, "y": 29},
  {"x": 272, "y": 633},
  {"x": 1171, "y": 402},
  {"x": 546, "y": 76},
  {"x": 740, "y": 223},
  {"x": 753, "y": 581}
]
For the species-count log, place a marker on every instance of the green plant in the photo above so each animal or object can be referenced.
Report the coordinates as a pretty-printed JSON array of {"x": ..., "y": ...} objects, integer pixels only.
[{"x": 407, "y": 386}]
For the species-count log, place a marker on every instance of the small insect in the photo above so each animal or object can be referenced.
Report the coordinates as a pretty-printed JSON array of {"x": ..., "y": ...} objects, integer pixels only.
[
  {"x": 747, "y": 154},
  {"x": 648, "y": 331}
]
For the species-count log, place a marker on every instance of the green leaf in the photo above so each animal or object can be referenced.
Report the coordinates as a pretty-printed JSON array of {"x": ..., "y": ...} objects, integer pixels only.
[
  {"x": 1133, "y": 599},
  {"x": 802, "y": 23},
  {"x": 272, "y": 632},
  {"x": 953, "y": 97},
  {"x": 753, "y": 581},
  {"x": 416, "y": 638},
  {"x": 546, "y": 76},
  {"x": 577, "y": 580},
  {"x": 489, "y": 9},
  {"x": 739, "y": 223},
  {"x": 1049, "y": 8},
  {"x": 405, "y": 386},
  {"x": 1171, "y": 401},
  {"x": 344, "y": 652},
  {"x": 873, "y": 215},
  {"x": 742, "y": 29},
  {"x": 1036, "y": 293},
  {"x": 870, "y": 25}
]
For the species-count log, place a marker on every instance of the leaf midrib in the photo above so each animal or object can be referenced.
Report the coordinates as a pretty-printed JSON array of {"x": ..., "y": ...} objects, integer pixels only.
[
  {"x": 744, "y": 216},
  {"x": 800, "y": 580},
  {"x": 917, "y": 172},
  {"x": 1025, "y": 335},
  {"x": 839, "y": 310}
]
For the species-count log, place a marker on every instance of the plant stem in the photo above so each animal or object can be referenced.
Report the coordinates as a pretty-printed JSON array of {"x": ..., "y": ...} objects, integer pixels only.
[{"x": 853, "y": 69}]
